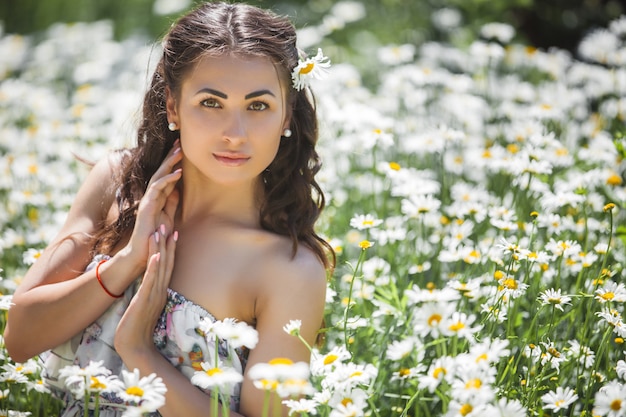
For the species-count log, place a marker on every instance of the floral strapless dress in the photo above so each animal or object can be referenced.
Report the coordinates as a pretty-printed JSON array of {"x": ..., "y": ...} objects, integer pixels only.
[{"x": 176, "y": 336}]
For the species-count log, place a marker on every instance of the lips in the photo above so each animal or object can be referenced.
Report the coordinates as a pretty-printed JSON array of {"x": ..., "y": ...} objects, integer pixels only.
[{"x": 231, "y": 159}]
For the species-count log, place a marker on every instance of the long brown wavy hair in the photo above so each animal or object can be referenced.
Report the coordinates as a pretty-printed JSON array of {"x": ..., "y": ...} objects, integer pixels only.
[{"x": 292, "y": 199}]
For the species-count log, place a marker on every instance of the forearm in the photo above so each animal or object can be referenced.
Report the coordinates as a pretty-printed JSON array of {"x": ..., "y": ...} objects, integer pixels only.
[
  {"x": 182, "y": 397},
  {"x": 45, "y": 316}
]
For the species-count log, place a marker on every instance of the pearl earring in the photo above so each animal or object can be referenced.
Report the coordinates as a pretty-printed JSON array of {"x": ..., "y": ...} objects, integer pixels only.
[
  {"x": 287, "y": 133},
  {"x": 172, "y": 126}
]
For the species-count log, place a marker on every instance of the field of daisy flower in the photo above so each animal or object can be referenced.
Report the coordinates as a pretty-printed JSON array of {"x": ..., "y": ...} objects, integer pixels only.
[{"x": 476, "y": 203}]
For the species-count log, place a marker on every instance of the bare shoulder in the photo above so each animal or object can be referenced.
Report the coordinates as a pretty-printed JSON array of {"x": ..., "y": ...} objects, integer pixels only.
[
  {"x": 292, "y": 288},
  {"x": 302, "y": 270}
]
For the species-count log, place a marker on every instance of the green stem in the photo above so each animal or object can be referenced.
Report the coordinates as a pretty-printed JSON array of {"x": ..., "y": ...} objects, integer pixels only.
[{"x": 345, "y": 315}]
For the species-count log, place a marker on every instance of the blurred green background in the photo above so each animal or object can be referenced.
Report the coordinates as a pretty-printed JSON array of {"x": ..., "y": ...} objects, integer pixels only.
[{"x": 560, "y": 23}]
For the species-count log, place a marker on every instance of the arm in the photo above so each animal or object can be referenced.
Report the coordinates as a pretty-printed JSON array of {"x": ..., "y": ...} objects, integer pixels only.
[
  {"x": 295, "y": 291},
  {"x": 57, "y": 290},
  {"x": 55, "y": 286}
]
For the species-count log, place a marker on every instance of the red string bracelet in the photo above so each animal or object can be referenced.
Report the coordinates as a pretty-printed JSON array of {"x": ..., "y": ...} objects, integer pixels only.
[{"x": 100, "y": 281}]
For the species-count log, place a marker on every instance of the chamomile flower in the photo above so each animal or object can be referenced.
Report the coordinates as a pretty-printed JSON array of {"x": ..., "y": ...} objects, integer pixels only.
[
  {"x": 554, "y": 298},
  {"x": 146, "y": 392},
  {"x": 611, "y": 292},
  {"x": 560, "y": 399},
  {"x": 310, "y": 68},
  {"x": 216, "y": 376},
  {"x": 506, "y": 408},
  {"x": 237, "y": 333},
  {"x": 365, "y": 221},
  {"x": 610, "y": 400},
  {"x": 293, "y": 327},
  {"x": 303, "y": 405},
  {"x": 279, "y": 369},
  {"x": 90, "y": 378}
]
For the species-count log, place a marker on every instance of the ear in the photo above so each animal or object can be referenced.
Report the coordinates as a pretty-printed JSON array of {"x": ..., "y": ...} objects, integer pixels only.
[{"x": 170, "y": 106}]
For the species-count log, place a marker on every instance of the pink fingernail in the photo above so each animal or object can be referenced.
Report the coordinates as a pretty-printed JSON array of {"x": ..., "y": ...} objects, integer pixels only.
[
  {"x": 158, "y": 256},
  {"x": 175, "y": 236},
  {"x": 162, "y": 229},
  {"x": 156, "y": 237}
]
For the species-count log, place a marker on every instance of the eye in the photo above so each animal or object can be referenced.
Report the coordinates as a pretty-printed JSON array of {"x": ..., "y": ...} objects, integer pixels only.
[
  {"x": 210, "y": 102},
  {"x": 258, "y": 106}
]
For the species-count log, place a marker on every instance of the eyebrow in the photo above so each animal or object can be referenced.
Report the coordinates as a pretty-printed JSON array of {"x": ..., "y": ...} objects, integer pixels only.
[{"x": 225, "y": 96}]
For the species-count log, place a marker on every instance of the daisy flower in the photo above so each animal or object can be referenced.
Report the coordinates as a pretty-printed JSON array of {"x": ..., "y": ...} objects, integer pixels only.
[
  {"x": 237, "y": 333},
  {"x": 301, "y": 406},
  {"x": 310, "y": 68},
  {"x": 507, "y": 408},
  {"x": 211, "y": 376},
  {"x": 364, "y": 221},
  {"x": 441, "y": 369},
  {"x": 92, "y": 378},
  {"x": 279, "y": 369},
  {"x": 147, "y": 393},
  {"x": 6, "y": 301},
  {"x": 611, "y": 291},
  {"x": 560, "y": 399},
  {"x": 293, "y": 327},
  {"x": 459, "y": 324},
  {"x": 322, "y": 364},
  {"x": 610, "y": 400},
  {"x": 554, "y": 298}
]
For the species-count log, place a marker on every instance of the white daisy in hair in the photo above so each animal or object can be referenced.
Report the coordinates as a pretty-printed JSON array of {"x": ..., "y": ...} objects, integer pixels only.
[{"x": 308, "y": 69}]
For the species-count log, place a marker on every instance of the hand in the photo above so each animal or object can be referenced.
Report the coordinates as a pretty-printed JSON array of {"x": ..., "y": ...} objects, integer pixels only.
[
  {"x": 157, "y": 207},
  {"x": 134, "y": 334}
]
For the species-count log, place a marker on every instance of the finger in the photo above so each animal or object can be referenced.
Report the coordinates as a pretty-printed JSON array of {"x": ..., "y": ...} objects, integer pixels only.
[
  {"x": 149, "y": 277},
  {"x": 171, "y": 204},
  {"x": 157, "y": 193},
  {"x": 169, "y": 261}
]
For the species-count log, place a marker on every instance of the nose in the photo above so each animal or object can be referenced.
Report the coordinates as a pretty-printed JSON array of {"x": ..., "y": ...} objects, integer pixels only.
[{"x": 235, "y": 130}]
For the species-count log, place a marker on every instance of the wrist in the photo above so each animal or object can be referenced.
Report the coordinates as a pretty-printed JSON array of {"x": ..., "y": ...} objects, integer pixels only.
[{"x": 130, "y": 263}]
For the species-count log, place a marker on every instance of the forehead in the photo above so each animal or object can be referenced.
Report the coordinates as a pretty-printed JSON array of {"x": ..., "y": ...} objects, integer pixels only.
[{"x": 232, "y": 74}]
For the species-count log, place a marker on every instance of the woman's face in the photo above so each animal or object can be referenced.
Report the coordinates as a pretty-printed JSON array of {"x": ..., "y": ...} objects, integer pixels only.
[{"x": 231, "y": 113}]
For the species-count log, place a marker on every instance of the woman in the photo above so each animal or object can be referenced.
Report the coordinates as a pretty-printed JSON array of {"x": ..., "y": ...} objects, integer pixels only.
[{"x": 214, "y": 209}]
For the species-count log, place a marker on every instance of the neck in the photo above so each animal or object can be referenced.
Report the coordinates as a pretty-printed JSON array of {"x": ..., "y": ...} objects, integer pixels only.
[{"x": 201, "y": 200}]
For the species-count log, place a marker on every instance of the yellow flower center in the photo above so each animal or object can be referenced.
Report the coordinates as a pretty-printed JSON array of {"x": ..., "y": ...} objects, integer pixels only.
[
  {"x": 330, "y": 359},
  {"x": 434, "y": 319},
  {"x": 136, "y": 391},
  {"x": 281, "y": 361},
  {"x": 309, "y": 67},
  {"x": 365, "y": 244},
  {"x": 213, "y": 371},
  {"x": 96, "y": 384},
  {"x": 439, "y": 371},
  {"x": 404, "y": 372},
  {"x": 616, "y": 405},
  {"x": 510, "y": 283},
  {"x": 394, "y": 166},
  {"x": 346, "y": 401},
  {"x": 608, "y": 295},
  {"x": 457, "y": 326},
  {"x": 465, "y": 409},
  {"x": 482, "y": 357},
  {"x": 473, "y": 383},
  {"x": 614, "y": 180}
]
